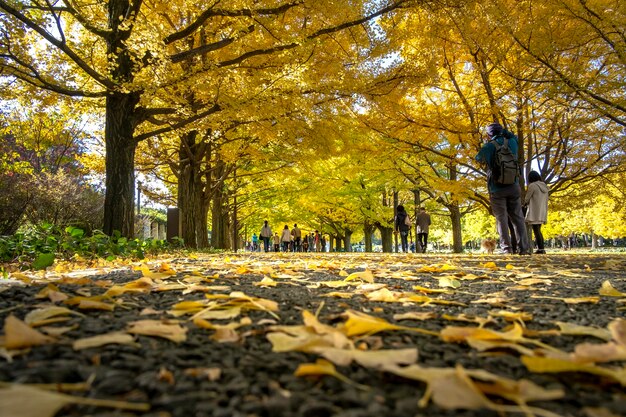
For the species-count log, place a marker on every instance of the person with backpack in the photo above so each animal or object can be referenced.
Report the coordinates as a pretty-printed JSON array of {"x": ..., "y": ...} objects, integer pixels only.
[
  {"x": 402, "y": 225},
  {"x": 499, "y": 155}
]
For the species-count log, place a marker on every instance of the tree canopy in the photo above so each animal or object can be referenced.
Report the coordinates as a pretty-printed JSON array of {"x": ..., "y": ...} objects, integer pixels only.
[{"x": 327, "y": 113}]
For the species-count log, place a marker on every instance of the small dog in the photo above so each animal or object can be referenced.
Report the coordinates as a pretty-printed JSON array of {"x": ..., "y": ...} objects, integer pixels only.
[{"x": 488, "y": 245}]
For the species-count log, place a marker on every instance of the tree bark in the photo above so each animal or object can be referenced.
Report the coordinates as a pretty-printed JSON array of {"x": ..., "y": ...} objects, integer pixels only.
[
  {"x": 347, "y": 240},
  {"x": 338, "y": 242},
  {"x": 119, "y": 200},
  {"x": 457, "y": 236},
  {"x": 386, "y": 235},
  {"x": 368, "y": 230},
  {"x": 188, "y": 189},
  {"x": 220, "y": 237}
]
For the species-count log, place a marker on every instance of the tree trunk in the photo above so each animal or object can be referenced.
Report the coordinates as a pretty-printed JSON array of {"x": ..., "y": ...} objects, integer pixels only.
[
  {"x": 386, "y": 236},
  {"x": 457, "y": 237},
  {"x": 187, "y": 189},
  {"x": 119, "y": 199},
  {"x": 347, "y": 240},
  {"x": 220, "y": 238},
  {"x": 368, "y": 230},
  {"x": 338, "y": 241}
]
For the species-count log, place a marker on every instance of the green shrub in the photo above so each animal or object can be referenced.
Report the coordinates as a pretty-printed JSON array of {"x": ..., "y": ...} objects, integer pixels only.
[{"x": 38, "y": 247}]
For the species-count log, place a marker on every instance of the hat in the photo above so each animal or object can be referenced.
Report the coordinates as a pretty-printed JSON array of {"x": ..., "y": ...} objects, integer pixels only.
[{"x": 494, "y": 129}]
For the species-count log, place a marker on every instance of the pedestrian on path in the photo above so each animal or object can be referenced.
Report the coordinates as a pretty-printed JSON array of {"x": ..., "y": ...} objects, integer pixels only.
[
  {"x": 423, "y": 226},
  {"x": 285, "y": 238},
  {"x": 536, "y": 202},
  {"x": 504, "y": 190},
  {"x": 403, "y": 225},
  {"x": 296, "y": 233},
  {"x": 276, "y": 242},
  {"x": 266, "y": 235}
]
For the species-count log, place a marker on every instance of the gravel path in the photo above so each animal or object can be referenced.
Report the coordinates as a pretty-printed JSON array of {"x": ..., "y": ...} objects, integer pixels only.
[{"x": 235, "y": 372}]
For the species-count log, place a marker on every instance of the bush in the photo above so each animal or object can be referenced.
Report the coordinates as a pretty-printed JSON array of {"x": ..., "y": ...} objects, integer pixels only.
[{"x": 39, "y": 247}]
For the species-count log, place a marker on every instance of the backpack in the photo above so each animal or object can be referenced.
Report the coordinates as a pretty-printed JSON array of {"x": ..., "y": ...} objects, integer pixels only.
[{"x": 505, "y": 169}]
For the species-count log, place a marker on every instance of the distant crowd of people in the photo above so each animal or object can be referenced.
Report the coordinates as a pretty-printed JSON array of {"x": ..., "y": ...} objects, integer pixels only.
[{"x": 289, "y": 240}]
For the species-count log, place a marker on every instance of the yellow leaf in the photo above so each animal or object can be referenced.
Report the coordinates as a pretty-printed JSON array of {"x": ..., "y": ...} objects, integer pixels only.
[
  {"x": 377, "y": 359},
  {"x": 118, "y": 338},
  {"x": 414, "y": 315},
  {"x": 323, "y": 367},
  {"x": 42, "y": 316},
  {"x": 95, "y": 305},
  {"x": 608, "y": 290},
  {"x": 360, "y": 324},
  {"x": 366, "y": 276},
  {"x": 552, "y": 365},
  {"x": 618, "y": 330},
  {"x": 52, "y": 293},
  {"x": 577, "y": 330},
  {"x": 266, "y": 282},
  {"x": 166, "y": 330},
  {"x": 460, "y": 334},
  {"x": 25, "y": 401},
  {"x": 213, "y": 313},
  {"x": 19, "y": 335},
  {"x": 449, "y": 281},
  {"x": 383, "y": 295}
]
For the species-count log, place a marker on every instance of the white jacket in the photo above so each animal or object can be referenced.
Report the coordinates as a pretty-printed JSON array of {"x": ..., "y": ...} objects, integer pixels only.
[
  {"x": 286, "y": 236},
  {"x": 537, "y": 201}
]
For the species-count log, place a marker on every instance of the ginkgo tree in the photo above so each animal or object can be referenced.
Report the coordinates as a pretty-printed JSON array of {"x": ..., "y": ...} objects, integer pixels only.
[{"x": 126, "y": 54}]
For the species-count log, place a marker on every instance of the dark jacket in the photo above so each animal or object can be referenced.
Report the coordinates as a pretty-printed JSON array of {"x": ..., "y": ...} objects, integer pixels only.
[
  {"x": 487, "y": 155},
  {"x": 399, "y": 223}
]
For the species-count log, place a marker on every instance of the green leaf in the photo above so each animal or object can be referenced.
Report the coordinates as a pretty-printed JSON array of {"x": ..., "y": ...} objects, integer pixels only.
[{"x": 43, "y": 260}]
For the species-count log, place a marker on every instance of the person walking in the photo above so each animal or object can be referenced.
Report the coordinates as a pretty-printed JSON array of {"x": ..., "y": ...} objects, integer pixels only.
[
  {"x": 296, "y": 233},
  {"x": 285, "y": 238},
  {"x": 403, "y": 225},
  {"x": 266, "y": 235},
  {"x": 317, "y": 242},
  {"x": 255, "y": 242},
  {"x": 305, "y": 243},
  {"x": 536, "y": 201},
  {"x": 503, "y": 186},
  {"x": 276, "y": 242},
  {"x": 423, "y": 225}
]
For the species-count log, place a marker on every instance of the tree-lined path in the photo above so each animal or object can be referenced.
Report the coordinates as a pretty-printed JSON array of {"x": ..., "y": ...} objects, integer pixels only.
[{"x": 318, "y": 335}]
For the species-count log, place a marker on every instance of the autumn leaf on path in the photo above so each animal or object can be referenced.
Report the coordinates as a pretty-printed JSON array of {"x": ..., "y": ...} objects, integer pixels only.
[
  {"x": 25, "y": 401},
  {"x": 18, "y": 334},
  {"x": 558, "y": 365},
  {"x": 361, "y": 324},
  {"x": 168, "y": 330},
  {"x": 458, "y": 388},
  {"x": 607, "y": 352},
  {"x": 52, "y": 293},
  {"x": 118, "y": 338},
  {"x": 376, "y": 359},
  {"x": 307, "y": 338},
  {"x": 49, "y": 315},
  {"x": 323, "y": 367},
  {"x": 577, "y": 330},
  {"x": 571, "y": 300},
  {"x": 477, "y": 336},
  {"x": 608, "y": 290},
  {"x": 366, "y": 276}
]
